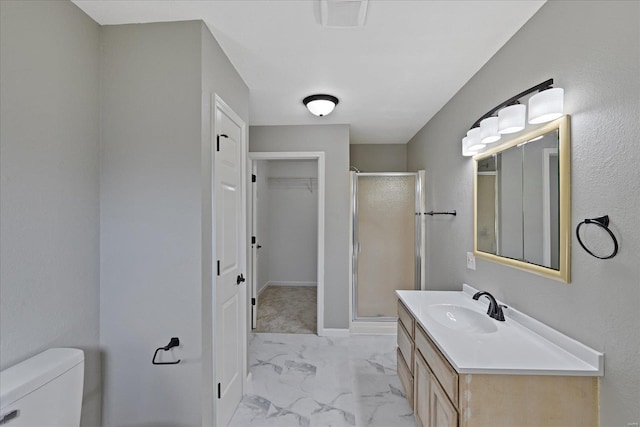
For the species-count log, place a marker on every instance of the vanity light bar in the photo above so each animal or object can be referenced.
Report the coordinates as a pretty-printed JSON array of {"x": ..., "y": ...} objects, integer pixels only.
[{"x": 546, "y": 105}]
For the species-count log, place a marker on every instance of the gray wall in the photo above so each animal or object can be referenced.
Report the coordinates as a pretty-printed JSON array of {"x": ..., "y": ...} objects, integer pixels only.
[
  {"x": 293, "y": 222},
  {"x": 378, "y": 157},
  {"x": 156, "y": 246},
  {"x": 591, "y": 49},
  {"x": 49, "y": 231},
  {"x": 334, "y": 141},
  {"x": 150, "y": 246}
]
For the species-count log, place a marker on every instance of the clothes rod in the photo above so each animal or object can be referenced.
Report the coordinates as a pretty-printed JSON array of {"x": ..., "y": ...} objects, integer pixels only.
[{"x": 432, "y": 213}]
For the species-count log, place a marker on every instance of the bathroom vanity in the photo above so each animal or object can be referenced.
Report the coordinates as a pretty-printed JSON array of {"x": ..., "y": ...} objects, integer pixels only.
[{"x": 459, "y": 367}]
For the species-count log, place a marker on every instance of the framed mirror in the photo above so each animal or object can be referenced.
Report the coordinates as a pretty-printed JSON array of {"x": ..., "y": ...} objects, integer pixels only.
[{"x": 522, "y": 202}]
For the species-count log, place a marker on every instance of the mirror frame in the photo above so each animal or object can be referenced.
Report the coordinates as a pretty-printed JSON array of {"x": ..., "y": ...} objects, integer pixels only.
[{"x": 562, "y": 125}]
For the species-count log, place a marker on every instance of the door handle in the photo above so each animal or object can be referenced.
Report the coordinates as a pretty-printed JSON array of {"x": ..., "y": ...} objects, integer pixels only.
[{"x": 240, "y": 279}]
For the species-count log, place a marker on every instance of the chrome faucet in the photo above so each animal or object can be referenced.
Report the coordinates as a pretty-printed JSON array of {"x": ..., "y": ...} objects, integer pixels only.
[{"x": 495, "y": 309}]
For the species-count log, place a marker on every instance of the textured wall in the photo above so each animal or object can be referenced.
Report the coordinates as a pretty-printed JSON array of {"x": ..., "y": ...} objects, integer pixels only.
[
  {"x": 49, "y": 231},
  {"x": 592, "y": 50},
  {"x": 334, "y": 141},
  {"x": 378, "y": 157}
]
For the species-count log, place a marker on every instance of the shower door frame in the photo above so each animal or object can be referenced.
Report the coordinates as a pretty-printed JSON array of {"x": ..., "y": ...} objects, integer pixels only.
[{"x": 383, "y": 324}]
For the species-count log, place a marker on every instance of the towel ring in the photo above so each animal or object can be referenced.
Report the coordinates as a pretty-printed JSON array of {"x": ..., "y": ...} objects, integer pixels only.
[
  {"x": 173, "y": 342},
  {"x": 602, "y": 222}
]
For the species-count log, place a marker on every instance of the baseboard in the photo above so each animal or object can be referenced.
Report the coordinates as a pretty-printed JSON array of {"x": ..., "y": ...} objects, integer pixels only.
[
  {"x": 374, "y": 328},
  {"x": 262, "y": 289},
  {"x": 248, "y": 384},
  {"x": 332, "y": 332}
]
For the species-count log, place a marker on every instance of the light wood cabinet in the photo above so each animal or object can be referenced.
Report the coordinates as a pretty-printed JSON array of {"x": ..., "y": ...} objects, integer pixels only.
[
  {"x": 442, "y": 413},
  {"x": 432, "y": 407},
  {"x": 422, "y": 382},
  {"x": 441, "y": 397}
]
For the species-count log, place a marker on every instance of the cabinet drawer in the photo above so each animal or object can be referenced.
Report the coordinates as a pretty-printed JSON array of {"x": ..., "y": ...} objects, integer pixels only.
[
  {"x": 406, "y": 379},
  {"x": 406, "y": 319},
  {"x": 442, "y": 370},
  {"x": 405, "y": 345}
]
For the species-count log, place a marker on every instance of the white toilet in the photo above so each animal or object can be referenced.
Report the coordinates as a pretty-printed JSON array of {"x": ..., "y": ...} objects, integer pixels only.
[{"x": 45, "y": 390}]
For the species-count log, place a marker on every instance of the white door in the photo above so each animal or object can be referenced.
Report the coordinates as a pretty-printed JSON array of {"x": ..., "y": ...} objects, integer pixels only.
[
  {"x": 230, "y": 265},
  {"x": 254, "y": 245}
]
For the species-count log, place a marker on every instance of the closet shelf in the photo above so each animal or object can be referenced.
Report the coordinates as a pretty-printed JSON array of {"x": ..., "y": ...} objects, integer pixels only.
[{"x": 310, "y": 183}]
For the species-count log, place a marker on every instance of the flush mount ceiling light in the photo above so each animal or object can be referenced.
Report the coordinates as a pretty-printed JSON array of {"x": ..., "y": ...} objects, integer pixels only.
[
  {"x": 509, "y": 116},
  {"x": 320, "y": 105}
]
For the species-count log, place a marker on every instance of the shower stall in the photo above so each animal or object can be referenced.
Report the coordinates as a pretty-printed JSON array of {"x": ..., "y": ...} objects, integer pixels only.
[{"x": 386, "y": 243}]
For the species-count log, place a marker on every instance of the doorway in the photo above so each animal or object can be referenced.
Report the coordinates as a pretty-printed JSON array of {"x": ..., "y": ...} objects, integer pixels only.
[{"x": 287, "y": 242}]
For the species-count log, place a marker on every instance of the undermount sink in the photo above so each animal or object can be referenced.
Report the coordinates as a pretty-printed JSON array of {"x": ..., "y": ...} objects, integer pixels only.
[{"x": 461, "y": 318}]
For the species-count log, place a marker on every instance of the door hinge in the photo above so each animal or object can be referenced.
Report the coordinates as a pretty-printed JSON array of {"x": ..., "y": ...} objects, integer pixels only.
[
  {"x": 4, "y": 419},
  {"x": 218, "y": 267},
  {"x": 253, "y": 240},
  {"x": 219, "y": 393},
  {"x": 222, "y": 135},
  {"x": 253, "y": 301},
  {"x": 253, "y": 178}
]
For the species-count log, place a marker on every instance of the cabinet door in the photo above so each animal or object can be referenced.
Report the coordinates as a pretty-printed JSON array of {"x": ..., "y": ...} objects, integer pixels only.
[
  {"x": 421, "y": 381},
  {"x": 441, "y": 412}
]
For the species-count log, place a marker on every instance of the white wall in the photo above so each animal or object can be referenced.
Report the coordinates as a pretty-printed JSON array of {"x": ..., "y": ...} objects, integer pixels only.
[
  {"x": 378, "y": 157},
  {"x": 49, "y": 227},
  {"x": 334, "y": 141},
  {"x": 156, "y": 247},
  {"x": 293, "y": 221},
  {"x": 592, "y": 50}
]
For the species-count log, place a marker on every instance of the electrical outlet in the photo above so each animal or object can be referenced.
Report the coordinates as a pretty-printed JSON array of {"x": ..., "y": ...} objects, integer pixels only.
[{"x": 471, "y": 261}]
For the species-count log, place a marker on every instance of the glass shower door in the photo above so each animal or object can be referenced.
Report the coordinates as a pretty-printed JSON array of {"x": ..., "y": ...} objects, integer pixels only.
[{"x": 385, "y": 240}]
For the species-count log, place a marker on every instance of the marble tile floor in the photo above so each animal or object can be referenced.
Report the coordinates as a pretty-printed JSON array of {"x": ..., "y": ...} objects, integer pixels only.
[{"x": 306, "y": 381}]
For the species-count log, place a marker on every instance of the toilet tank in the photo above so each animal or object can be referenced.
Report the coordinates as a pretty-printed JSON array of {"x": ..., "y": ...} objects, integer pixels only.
[{"x": 45, "y": 390}]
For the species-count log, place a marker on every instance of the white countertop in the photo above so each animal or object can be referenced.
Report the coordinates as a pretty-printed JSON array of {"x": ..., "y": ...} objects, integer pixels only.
[{"x": 520, "y": 345}]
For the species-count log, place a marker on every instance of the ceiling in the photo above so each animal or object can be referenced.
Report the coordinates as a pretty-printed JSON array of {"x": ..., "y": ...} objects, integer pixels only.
[{"x": 391, "y": 75}]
